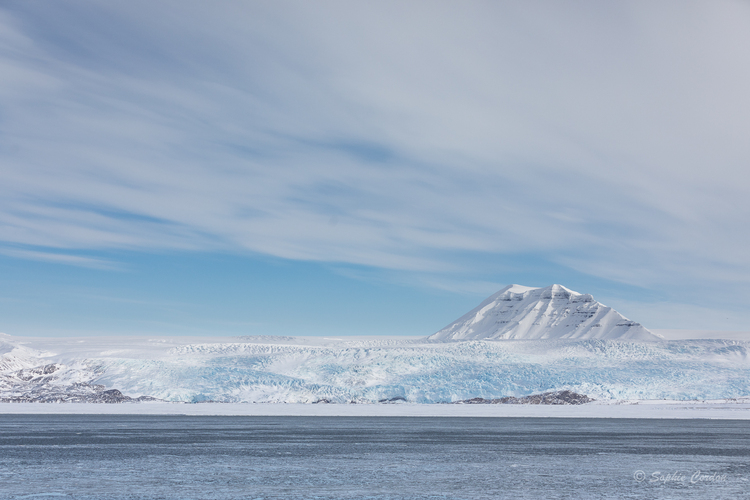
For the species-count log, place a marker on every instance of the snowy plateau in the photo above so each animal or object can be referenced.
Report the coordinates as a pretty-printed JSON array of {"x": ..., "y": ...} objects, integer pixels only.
[{"x": 519, "y": 342}]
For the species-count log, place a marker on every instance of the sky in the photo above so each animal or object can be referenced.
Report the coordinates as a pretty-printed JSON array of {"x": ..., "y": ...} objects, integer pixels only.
[{"x": 369, "y": 168}]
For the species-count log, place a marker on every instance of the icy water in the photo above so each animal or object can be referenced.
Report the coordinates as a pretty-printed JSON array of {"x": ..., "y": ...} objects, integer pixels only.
[{"x": 181, "y": 457}]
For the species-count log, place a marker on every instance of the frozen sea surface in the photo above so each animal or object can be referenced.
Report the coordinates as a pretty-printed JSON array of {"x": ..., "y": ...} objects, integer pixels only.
[{"x": 188, "y": 457}]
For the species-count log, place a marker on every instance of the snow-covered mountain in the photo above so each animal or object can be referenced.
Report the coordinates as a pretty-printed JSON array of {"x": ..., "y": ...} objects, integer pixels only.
[{"x": 553, "y": 312}]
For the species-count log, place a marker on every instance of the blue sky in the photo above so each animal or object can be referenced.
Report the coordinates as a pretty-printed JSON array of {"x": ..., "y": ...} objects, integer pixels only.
[{"x": 368, "y": 167}]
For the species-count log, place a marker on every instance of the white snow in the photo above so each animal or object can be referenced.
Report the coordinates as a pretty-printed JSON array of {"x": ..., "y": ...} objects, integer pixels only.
[
  {"x": 702, "y": 334},
  {"x": 721, "y": 409},
  {"x": 553, "y": 312},
  {"x": 367, "y": 370},
  {"x": 518, "y": 342}
]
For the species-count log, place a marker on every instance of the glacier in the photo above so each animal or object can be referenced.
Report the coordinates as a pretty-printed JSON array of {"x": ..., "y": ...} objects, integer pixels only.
[{"x": 267, "y": 369}]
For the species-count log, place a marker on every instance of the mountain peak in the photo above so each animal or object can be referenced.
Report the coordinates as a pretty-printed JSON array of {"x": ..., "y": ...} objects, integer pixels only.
[
  {"x": 517, "y": 289},
  {"x": 553, "y": 312}
]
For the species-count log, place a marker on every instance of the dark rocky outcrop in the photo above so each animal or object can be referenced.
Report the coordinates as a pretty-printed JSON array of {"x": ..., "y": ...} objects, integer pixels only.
[
  {"x": 547, "y": 398},
  {"x": 76, "y": 393},
  {"x": 397, "y": 399},
  {"x": 40, "y": 385}
]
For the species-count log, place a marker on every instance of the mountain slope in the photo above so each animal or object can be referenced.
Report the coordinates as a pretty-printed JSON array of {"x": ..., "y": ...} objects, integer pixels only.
[{"x": 553, "y": 312}]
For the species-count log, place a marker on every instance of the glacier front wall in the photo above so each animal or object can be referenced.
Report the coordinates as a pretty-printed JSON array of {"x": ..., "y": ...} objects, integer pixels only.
[{"x": 418, "y": 371}]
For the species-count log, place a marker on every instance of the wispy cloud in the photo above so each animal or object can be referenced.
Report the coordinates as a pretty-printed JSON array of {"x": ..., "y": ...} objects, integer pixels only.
[
  {"x": 608, "y": 138},
  {"x": 74, "y": 260}
]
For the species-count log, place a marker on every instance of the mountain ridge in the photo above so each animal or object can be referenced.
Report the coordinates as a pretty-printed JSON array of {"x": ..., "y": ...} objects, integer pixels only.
[{"x": 552, "y": 312}]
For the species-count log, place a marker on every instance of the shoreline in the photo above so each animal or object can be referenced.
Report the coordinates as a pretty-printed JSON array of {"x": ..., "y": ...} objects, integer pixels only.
[{"x": 621, "y": 409}]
